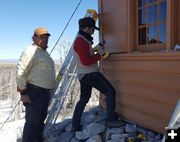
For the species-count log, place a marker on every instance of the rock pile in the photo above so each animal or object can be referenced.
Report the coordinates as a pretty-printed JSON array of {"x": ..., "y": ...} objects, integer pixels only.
[{"x": 95, "y": 130}]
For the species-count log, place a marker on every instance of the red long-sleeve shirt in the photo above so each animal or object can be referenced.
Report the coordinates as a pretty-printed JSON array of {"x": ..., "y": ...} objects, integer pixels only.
[{"x": 82, "y": 48}]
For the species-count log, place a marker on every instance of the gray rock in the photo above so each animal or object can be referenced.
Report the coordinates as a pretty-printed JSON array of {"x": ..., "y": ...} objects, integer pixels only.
[
  {"x": 107, "y": 135},
  {"x": 75, "y": 140},
  {"x": 56, "y": 130},
  {"x": 117, "y": 130},
  {"x": 152, "y": 134},
  {"x": 158, "y": 137},
  {"x": 65, "y": 137},
  {"x": 119, "y": 136},
  {"x": 69, "y": 127},
  {"x": 86, "y": 119},
  {"x": 117, "y": 140},
  {"x": 90, "y": 130},
  {"x": 53, "y": 131},
  {"x": 94, "y": 124},
  {"x": 95, "y": 138},
  {"x": 94, "y": 115},
  {"x": 100, "y": 116},
  {"x": 130, "y": 128},
  {"x": 142, "y": 131},
  {"x": 60, "y": 126},
  {"x": 150, "y": 138}
]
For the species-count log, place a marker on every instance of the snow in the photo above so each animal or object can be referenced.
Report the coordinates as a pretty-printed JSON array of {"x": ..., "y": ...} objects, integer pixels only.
[
  {"x": 11, "y": 131},
  {"x": 5, "y": 109}
]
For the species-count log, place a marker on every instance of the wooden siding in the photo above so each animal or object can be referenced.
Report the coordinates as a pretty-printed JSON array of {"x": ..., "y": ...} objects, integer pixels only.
[
  {"x": 171, "y": 24},
  {"x": 147, "y": 86},
  {"x": 178, "y": 40},
  {"x": 115, "y": 24},
  {"x": 118, "y": 24}
]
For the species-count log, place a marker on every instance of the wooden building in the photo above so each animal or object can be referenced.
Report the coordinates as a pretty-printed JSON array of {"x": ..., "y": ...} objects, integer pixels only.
[{"x": 144, "y": 69}]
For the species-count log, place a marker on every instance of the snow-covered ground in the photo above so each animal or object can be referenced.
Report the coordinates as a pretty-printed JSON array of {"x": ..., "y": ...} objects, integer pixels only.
[
  {"x": 5, "y": 109},
  {"x": 12, "y": 130}
]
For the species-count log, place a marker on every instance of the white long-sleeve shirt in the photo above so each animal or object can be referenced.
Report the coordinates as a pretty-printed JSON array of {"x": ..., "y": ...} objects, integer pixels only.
[{"x": 36, "y": 67}]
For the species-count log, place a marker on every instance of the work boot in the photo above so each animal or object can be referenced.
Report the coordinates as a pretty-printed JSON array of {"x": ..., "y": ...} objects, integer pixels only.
[{"x": 116, "y": 123}]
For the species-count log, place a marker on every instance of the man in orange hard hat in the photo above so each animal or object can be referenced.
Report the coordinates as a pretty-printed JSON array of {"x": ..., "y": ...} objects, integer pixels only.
[{"x": 35, "y": 78}]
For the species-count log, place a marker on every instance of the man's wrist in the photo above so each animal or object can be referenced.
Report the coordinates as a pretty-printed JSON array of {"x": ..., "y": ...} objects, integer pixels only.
[{"x": 24, "y": 92}]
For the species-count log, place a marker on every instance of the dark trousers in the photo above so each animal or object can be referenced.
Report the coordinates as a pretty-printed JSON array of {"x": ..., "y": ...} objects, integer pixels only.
[
  {"x": 36, "y": 112},
  {"x": 98, "y": 81}
]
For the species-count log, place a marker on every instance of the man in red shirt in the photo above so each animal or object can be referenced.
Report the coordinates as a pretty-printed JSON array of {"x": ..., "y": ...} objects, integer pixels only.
[{"x": 88, "y": 73}]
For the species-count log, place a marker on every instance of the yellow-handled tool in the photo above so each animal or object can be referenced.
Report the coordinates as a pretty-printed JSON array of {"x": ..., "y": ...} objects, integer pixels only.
[
  {"x": 139, "y": 138},
  {"x": 99, "y": 48}
]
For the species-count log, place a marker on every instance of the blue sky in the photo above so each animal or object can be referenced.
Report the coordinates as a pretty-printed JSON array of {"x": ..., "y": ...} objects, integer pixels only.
[{"x": 19, "y": 19}]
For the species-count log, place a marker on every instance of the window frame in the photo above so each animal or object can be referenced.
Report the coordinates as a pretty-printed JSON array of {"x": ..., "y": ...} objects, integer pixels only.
[{"x": 148, "y": 46}]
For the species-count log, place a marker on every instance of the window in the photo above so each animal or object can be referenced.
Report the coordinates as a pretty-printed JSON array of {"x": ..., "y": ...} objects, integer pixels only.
[{"x": 151, "y": 25}]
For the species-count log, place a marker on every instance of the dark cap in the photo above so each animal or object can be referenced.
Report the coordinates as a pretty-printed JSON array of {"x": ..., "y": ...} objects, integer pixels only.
[{"x": 87, "y": 22}]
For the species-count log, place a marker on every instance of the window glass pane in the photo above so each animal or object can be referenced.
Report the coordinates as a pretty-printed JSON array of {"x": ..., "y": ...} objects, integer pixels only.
[
  {"x": 152, "y": 34},
  {"x": 142, "y": 36},
  {"x": 141, "y": 3},
  {"x": 162, "y": 11},
  {"x": 152, "y": 14},
  {"x": 162, "y": 32},
  {"x": 142, "y": 16},
  {"x": 151, "y": 1}
]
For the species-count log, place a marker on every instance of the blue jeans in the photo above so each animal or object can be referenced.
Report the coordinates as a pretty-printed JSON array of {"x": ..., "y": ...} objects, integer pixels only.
[
  {"x": 36, "y": 112},
  {"x": 98, "y": 81}
]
